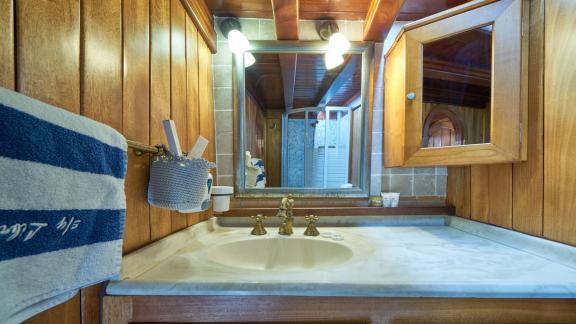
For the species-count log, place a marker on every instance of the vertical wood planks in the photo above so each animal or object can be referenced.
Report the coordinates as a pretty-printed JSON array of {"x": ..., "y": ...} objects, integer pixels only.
[
  {"x": 66, "y": 313},
  {"x": 528, "y": 176},
  {"x": 101, "y": 90},
  {"x": 178, "y": 76},
  {"x": 136, "y": 120},
  {"x": 479, "y": 193},
  {"x": 48, "y": 52},
  {"x": 458, "y": 190},
  {"x": 160, "y": 219},
  {"x": 48, "y": 69},
  {"x": 7, "y": 59},
  {"x": 560, "y": 121},
  {"x": 102, "y": 61},
  {"x": 500, "y": 195},
  {"x": 206, "y": 105},
  {"x": 90, "y": 298},
  {"x": 111, "y": 61},
  {"x": 192, "y": 100}
]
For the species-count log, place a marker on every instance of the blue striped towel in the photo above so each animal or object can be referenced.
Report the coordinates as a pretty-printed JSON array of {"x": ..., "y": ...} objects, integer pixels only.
[{"x": 62, "y": 204}]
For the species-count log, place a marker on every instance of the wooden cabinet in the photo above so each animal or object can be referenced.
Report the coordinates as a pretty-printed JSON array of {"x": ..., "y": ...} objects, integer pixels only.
[
  {"x": 455, "y": 87},
  {"x": 333, "y": 309}
]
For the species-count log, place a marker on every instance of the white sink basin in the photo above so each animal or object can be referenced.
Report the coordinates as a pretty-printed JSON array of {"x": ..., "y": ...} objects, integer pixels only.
[{"x": 280, "y": 254}]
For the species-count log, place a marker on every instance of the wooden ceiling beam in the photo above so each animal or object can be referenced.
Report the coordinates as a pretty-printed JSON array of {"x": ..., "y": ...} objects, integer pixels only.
[
  {"x": 352, "y": 98},
  {"x": 380, "y": 17},
  {"x": 345, "y": 74},
  {"x": 288, "y": 64},
  {"x": 286, "y": 16}
]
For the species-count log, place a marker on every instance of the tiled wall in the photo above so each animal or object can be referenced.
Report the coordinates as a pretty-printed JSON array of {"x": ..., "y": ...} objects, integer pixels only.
[{"x": 407, "y": 181}]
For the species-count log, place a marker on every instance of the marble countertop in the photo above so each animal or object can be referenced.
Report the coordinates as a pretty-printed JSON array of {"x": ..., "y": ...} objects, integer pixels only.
[{"x": 433, "y": 256}]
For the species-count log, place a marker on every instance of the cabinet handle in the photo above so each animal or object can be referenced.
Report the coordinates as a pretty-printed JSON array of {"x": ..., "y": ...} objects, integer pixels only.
[{"x": 411, "y": 95}]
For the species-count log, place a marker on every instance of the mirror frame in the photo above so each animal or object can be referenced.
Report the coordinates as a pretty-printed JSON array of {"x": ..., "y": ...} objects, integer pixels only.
[{"x": 366, "y": 49}]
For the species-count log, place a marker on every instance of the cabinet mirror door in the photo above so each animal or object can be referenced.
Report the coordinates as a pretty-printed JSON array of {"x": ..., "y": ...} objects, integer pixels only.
[
  {"x": 456, "y": 89},
  {"x": 461, "y": 98}
]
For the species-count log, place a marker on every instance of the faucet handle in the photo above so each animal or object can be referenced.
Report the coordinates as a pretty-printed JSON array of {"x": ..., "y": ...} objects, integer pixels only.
[
  {"x": 259, "y": 225},
  {"x": 312, "y": 219},
  {"x": 311, "y": 229}
]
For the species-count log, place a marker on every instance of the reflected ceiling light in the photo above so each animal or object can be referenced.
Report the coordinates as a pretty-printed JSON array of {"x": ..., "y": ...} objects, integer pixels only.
[
  {"x": 338, "y": 44},
  {"x": 249, "y": 59},
  {"x": 333, "y": 60},
  {"x": 237, "y": 42}
]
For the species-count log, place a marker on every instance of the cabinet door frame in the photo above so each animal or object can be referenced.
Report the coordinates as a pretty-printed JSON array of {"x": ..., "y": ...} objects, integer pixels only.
[{"x": 508, "y": 104}]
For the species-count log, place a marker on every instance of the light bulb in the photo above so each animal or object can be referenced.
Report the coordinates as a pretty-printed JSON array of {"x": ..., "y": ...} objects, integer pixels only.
[
  {"x": 237, "y": 42},
  {"x": 249, "y": 59},
  {"x": 338, "y": 43},
  {"x": 332, "y": 60}
]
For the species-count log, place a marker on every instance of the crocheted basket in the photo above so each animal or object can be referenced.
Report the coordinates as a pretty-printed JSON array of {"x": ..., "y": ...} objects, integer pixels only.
[{"x": 178, "y": 183}]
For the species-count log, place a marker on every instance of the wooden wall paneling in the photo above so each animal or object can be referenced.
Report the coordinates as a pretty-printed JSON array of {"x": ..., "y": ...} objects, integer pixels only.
[
  {"x": 500, "y": 195},
  {"x": 479, "y": 193},
  {"x": 273, "y": 151},
  {"x": 560, "y": 121},
  {"x": 101, "y": 89},
  {"x": 90, "y": 303},
  {"x": 202, "y": 18},
  {"x": 178, "y": 96},
  {"x": 7, "y": 59},
  {"x": 160, "y": 219},
  {"x": 136, "y": 116},
  {"x": 458, "y": 190},
  {"x": 206, "y": 105},
  {"x": 192, "y": 101},
  {"x": 93, "y": 57},
  {"x": 48, "y": 52},
  {"x": 65, "y": 313},
  {"x": 528, "y": 177},
  {"x": 48, "y": 69}
]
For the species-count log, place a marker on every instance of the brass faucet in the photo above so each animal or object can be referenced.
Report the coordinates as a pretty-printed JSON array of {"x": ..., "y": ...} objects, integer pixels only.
[{"x": 287, "y": 214}]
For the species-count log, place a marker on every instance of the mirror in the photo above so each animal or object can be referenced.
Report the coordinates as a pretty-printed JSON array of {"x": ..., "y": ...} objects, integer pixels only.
[
  {"x": 457, "y": 79},
  {"x": 303, "y": 126}
]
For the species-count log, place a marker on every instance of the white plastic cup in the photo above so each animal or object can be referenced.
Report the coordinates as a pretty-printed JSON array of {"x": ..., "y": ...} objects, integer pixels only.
[
  {"x": 221, "y": 198},
  {"x": 390, "y": 199}
]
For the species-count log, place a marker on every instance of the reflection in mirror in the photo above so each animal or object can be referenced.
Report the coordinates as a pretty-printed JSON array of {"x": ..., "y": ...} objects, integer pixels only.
[
  {"x": 457, "y": 80},
  {"x": 302, "y": 122}
]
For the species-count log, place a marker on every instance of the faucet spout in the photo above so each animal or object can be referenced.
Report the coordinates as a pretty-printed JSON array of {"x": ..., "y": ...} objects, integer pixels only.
[{"x": 287, "y": 214}]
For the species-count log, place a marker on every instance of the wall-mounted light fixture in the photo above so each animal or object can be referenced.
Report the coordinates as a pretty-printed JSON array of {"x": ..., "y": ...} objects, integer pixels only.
[
  {"x": 338, "y": 44},
  {"x": 237, "y": 42}
]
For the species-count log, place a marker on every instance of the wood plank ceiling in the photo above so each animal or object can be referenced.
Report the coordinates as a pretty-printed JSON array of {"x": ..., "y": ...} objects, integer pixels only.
[
  {"x": 313, "y": 85},
  {"x": 335, "y": 9}
]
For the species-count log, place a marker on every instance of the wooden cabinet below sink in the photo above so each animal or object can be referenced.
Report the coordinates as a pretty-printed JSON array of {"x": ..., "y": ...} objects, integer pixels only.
[{"x": 298, "y": 309}]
